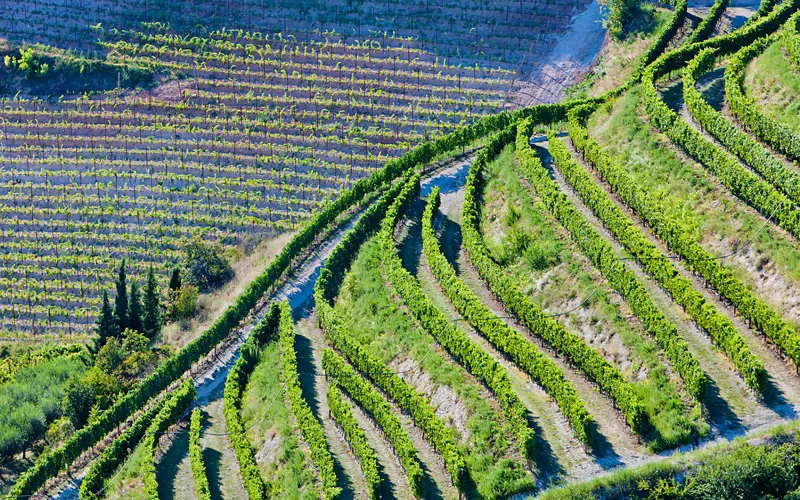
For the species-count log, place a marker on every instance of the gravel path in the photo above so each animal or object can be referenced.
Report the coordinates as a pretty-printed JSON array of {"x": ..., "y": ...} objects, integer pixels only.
[{"x": 571, "y": 58}]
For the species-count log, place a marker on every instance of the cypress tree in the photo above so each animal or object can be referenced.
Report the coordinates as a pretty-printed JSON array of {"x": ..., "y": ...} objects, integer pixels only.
[
  {"x": 175, "y": 279},
  {"x": 106, "y": 324},
  {"x": 134, "y": 308},
  {"x": 151, "y": 307},
  {"x": 121, "y": 300}
]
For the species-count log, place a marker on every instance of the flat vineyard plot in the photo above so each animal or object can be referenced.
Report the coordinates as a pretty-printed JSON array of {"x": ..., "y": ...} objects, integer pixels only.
[{"x": 466, "y": 32}]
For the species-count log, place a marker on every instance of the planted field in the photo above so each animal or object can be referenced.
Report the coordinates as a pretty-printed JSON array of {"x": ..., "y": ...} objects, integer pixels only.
[
  {"x": 240, "y": 134},
  {"x": 584, "y": 299}
]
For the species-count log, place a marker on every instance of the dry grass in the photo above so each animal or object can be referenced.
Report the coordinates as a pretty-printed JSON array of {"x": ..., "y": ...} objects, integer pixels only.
[{"x": 211, "y": 305}]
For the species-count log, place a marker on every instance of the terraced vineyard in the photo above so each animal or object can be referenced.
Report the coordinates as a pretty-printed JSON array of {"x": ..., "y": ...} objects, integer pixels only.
[
  {"x": 591, "y": 298},
  {"x": 248, "y": 133}
]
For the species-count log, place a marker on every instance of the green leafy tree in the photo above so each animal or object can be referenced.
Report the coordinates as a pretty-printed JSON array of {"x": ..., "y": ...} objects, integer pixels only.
[
  {"x": 106, "y": 324},
  {"x": 206, "y": 265},
  {"x": 121, "y": 300},
  {"x": 78, "y": 401},
  {"x": 135, "y": 308},
  {"x": 110, "y": 356},
  {"x": 151, "y": 306},
  {"x": 620, "y": 13}
]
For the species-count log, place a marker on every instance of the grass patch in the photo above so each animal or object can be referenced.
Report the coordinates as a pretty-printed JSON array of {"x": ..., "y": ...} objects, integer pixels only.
[
  {"x": 127, "y": 485},
  {"x": 285, "y": 465},
  {"x": 775, "y": 84}
]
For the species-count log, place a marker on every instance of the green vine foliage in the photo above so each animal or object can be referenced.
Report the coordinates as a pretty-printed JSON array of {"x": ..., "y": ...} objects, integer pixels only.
[
  {"x": 510, "y": 342},
  {"x": 49, "y": 464},
  {"x": 435, "y": 322},
  {"x": 706, "y": 26},
  {"x": 254, "y": 483},
  {"x": 754, "y": 154},
  {"x": 719, "y": 326},
  {"x": 741, "y": 181},
  {"x": 602, "y": 256},
  {"x": 342, "y": 412},
  {"x": 196, "y": 457},
  {"x": 331, "y": 276},
  {"x": 606, "y": 376},
  {"x": 310, "y": 427},
  {"x": 774, "y": 133},
  {"x": 114, "y": 456},
  {"x": 376, "y": 406},
  {"x": 173, "y": 409}
]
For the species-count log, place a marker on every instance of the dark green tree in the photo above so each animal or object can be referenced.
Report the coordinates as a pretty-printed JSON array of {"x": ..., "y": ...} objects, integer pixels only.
[
  {"x": 151, "y": 306},
  {"x": 106, "y": 324},
  {"x": 135, "y": 308},
  {"x": 121, "y": 300},
  {"x": 175, "y": 279}
]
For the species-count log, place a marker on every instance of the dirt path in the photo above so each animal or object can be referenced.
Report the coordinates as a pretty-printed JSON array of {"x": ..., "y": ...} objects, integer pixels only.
[
  {"x": 572, "y": 57},
  {"x": 780, "y": 401},
  {"x": 174, "y": 470}
]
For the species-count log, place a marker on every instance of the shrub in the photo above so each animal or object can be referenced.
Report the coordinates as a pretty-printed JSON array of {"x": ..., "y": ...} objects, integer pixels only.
[
  {"x": 747, "y": 472},
  {"x": 206, "y": 265}
]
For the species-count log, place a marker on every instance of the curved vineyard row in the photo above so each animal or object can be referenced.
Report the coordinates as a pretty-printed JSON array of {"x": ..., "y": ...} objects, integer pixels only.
[
  {"x": 371, "y": 400},
  {"x": 778, "y": 135},
  {"x": 754, "y": 155},
  {"x": 607, "y": 377},
  {"x": 395, "y": 387},
  {"x": 669, "y": 230},
  {"x": 602, "y": 255},
  {"x": 342, "y": 412},
  {"x": 524, "y": 353},
  {"x": 434, "y": 321}
]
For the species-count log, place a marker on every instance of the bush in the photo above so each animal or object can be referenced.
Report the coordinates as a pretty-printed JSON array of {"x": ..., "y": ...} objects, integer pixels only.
[
  {"x": 183, "y": 302},
  {"x": 747, "y": 472},
  {"x": 27, "y": 62},
  {"x": 206, "y": 265}
]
